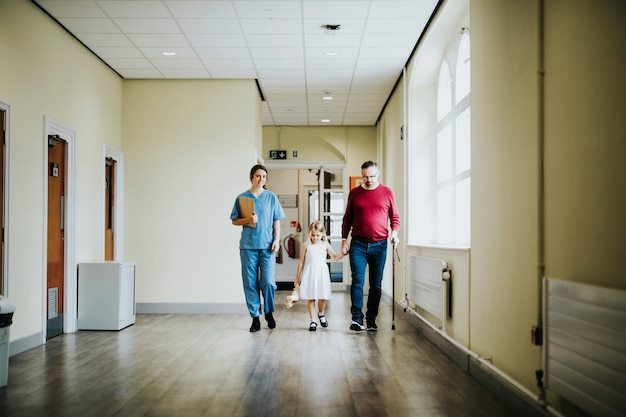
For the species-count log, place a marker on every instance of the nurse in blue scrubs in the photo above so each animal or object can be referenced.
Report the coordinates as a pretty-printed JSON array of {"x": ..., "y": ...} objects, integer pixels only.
[{"x": 258, "y": 247}]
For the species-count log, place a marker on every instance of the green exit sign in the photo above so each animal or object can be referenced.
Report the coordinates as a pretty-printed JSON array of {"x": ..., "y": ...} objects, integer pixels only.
[{"x": 277, "y": 154}]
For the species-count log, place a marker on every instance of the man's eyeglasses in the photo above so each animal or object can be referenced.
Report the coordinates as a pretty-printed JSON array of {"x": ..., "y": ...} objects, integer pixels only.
[{"x": 368, "y": 177}]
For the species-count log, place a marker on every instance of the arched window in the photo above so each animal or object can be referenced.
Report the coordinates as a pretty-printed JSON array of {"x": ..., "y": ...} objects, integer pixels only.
[{"x": 442, "y": 179}]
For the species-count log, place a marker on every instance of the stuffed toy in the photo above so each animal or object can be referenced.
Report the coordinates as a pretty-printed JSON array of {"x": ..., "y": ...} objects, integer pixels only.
[{"x": 293, "y": 298}]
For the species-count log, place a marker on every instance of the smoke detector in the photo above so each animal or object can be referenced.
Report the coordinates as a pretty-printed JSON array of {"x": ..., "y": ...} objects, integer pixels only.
[{"x": 331, "y": 29}]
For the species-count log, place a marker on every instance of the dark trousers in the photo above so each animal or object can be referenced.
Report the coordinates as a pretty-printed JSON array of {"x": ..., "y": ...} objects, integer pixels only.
[{"x": 362, "y": 255}]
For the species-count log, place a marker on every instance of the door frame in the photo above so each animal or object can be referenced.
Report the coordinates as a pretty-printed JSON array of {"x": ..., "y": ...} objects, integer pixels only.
[
  {"x": 4, "y": 274},
  {"x": 273, "y": 165},
  {"x": 53, "y": 127},
  {"x": 118, "y": 213}
]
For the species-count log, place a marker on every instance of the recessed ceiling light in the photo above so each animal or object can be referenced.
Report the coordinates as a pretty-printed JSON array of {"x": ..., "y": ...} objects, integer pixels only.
[
  {"x": 327, "y": 96},
  {"x": 331, "y": 53},
  {"x": 168, "y": 53},
  {"x": 325, "y": 120}
]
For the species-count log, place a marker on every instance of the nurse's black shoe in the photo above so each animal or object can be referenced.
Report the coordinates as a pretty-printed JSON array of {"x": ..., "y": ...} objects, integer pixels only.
[
  {"x": 256, "y": 325},
  {"x": 271, "y": 323}
]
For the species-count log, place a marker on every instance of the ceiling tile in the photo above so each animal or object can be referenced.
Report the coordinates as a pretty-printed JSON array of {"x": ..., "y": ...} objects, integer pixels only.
[
  {"x": 220, "y": 26},
  {"x": 387, "y": 40},
  {"x": 330, "y": 73},
  {"x": 333, "y": 42},
  {"x": 400, "y": 9},
  {"x": 262, "y": 64},
  {"x": 245, "y": 64},
  {"x": 91, "y": 25},
  {"x": 134, "y": 8},
  {"x": 181, "y": 53},
  {"x": 331, "y": 64},
  {"x": 267, "y": 9},
  {"x": 277, "y": 53},
  {"x": 394, "y": 26},
  {"x": 260, "y": 40},
  {"x": 202, "y": 9},
  {"x": 104, "y": 39},
  {"x": 217, "y": 40},
  {"x": 147, "y": 25},
  {"x": 281, "y": 73},
  {"x": 72, "y": 8},
  {"x": 223, "y": 53},
  {"x": 282, "y": 44},
  {"x": 182, "y": 73},
  {"x": 336, "y": 9},
  {"x": 158, "y": 40},
  {"x": 117, "y": 52},
  {"x": 177, "y": 63},
  {"x": 233, "y": 73},
  {"x": 330, "y": 54},
  {"x": 250, "y": 26}
]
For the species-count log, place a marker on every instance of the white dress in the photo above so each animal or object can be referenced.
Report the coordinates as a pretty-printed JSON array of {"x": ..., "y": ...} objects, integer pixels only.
[{"x": 315, "y": 278}]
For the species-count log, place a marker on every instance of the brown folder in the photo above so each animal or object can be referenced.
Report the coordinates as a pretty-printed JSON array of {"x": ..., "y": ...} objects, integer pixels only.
[{"x": 246, "y": 208}]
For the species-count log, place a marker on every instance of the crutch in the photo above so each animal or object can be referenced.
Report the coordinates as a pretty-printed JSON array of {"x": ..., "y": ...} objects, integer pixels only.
[{"x": 393, "y": 287}]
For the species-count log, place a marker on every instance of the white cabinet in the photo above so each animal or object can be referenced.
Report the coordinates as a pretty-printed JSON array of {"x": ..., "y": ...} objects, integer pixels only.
[{"x": 106, "y": 295}]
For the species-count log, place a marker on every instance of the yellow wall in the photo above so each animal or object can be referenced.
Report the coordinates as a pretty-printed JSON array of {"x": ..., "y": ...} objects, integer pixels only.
[
  {"x": 504, "y": 291},
  {"x": 46, "y": 72},
  {"x": 350, "y": 144},
  {"x": 497, "y": 290},
  {"x": 189, "y": 146},
  {"x": 585, "y": 141}
]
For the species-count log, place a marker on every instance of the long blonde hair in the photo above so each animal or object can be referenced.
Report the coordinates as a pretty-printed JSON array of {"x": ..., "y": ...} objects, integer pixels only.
[{"x": 317, "y": 227}]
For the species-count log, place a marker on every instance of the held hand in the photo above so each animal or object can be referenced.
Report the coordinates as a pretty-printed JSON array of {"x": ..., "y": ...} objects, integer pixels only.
[
  {"x": 344, "y": 248},
  {"x": 394, "y": 241}
]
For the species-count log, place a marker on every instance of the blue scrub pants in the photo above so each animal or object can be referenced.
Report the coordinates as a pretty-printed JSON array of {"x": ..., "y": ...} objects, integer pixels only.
[
  {"x": 257, "y": 272},
  {"x": 364, "y": 254}
]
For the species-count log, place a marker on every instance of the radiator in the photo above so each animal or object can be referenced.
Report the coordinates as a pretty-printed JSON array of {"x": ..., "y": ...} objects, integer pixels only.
[
  {"x": 585, "y": 345},
  {"x": 429, "y": 286}
]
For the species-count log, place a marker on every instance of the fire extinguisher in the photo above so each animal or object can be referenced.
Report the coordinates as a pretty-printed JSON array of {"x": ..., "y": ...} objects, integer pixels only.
[{"x": 290, "y": 246}]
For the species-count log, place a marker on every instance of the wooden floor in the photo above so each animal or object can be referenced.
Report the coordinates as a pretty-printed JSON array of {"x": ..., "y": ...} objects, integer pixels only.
[{"x": 211, "y": 365}]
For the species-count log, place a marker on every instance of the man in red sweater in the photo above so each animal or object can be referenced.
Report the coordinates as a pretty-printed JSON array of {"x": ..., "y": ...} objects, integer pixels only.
[{"x": 370, "y": 213}]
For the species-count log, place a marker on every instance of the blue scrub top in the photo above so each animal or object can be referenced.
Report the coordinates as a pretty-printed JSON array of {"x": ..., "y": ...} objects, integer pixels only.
[{"x": 268, "y": 209}]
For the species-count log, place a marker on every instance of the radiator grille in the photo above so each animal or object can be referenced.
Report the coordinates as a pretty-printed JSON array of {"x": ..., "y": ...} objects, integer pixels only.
[
  {"x": 53, "y": 302},
  {"x": 585, "y": 353},
  {"x": 428, "y": 287}
]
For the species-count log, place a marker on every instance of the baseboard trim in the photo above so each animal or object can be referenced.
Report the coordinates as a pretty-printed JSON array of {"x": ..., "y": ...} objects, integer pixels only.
[
  {"x": 25, "y": 343},
  {"x": 497, "y": 386},
  {"x": 191, "y": 308}
]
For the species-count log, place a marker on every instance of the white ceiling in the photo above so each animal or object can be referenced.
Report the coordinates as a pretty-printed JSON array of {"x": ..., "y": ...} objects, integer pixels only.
[{"x": 282, "y": 44}]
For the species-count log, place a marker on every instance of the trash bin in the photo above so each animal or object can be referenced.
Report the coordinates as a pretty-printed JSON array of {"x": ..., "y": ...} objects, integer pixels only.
[{"x": 7, "y": 307}]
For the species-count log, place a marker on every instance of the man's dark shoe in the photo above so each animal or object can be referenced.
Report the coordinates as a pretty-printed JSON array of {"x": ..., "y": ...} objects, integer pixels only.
[
  {"x": 271, "y": 323},
  {"x": 256, "y": 325}
]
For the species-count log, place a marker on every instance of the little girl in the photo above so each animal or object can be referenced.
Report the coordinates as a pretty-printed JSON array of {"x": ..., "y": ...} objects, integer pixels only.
[{"x": 312, "y": 274}]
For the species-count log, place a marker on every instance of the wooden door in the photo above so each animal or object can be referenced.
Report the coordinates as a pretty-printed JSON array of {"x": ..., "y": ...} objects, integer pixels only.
[
  {"x": 109, "y": 202},
  {"x": 3, "y": 138},
  {"x": 56, "y": 226}
]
